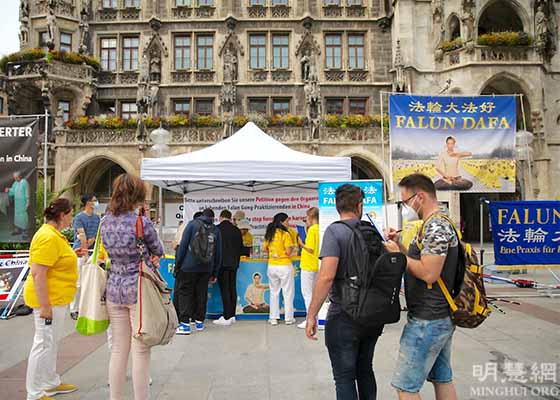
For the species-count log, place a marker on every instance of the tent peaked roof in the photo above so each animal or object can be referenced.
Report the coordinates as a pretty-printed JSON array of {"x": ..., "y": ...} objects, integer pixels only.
[{"x": 247, "y": 157}]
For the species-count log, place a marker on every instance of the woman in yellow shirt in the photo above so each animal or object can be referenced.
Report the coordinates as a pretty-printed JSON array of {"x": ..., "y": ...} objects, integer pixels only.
[
  {"x": 279, "y": 245},
  {"x": 49, "y": 290},
  {"x": 309, "y": 258}
]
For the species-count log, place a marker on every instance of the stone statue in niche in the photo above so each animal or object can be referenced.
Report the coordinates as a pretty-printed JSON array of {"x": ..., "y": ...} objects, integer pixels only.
[
  {"x": 541, "y": 29},
  {"x": 437, "y": 10},
  {"x": 24, "y": 33},
  {"x": 230, "y": 66},
  {"x": 155, "y": 67},
  {"x": 305, "y": 62},
  {"x": 153, "y": 100},
  {"x": 24, "y": 10},
  {"x": 84, "y": 31},
  {"x": 313, "y": 103},
  {"x": 468, "y": 21},
  {"x": 52, "y": 29}
]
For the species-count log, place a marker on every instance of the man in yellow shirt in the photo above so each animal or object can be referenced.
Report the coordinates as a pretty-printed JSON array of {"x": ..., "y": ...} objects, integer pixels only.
[{"x": 309, "y": 258}]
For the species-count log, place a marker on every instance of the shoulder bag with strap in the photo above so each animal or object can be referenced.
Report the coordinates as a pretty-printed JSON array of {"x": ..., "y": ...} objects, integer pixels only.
[
  {"x": 156, "y": 319},
  {"x": 468, "y": 301},
  {"x": 93, "y": 317}
]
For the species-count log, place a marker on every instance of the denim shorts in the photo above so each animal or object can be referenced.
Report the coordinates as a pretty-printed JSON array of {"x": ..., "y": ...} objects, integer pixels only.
[{"x": 425, "y": 354}]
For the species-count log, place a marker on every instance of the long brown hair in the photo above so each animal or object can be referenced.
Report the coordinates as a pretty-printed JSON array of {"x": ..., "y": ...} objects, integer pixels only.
[{"x": 128, "y": 191}]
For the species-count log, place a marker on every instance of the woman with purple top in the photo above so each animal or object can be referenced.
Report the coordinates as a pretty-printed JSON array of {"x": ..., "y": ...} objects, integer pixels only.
[{"x": 118, "y": 233}]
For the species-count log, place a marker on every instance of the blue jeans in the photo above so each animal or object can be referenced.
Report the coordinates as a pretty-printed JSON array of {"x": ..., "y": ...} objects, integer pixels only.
[
  {"x": 425, "y": 354},
  {"x": 351, "y": 349}
]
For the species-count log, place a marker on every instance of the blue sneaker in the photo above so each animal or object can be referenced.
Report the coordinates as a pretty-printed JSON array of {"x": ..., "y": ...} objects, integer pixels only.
[
  {"x": 183, "y": 329},
  {"x": 199, "y": 325}
]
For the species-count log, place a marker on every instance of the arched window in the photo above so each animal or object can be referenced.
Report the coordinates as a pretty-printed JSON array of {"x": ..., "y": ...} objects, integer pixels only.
[
  {"x": 362, "y": 169},
  {"x": 500, "y": 16},
  {"x": 104, "y": 186},
  {"x": 454, "y": 28}
]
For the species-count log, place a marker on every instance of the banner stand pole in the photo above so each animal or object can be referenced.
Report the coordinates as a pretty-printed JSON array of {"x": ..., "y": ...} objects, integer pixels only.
[
  {"x": 481, "y": 231},
  {"x": 45, "y": 158},
  {"x": 385, "y": 212}
]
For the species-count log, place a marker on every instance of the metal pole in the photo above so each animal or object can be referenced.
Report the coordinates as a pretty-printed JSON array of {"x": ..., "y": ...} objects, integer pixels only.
[
  {"x": 526, "y": 145},
  {"x": 45, "y": 157},
  {"x": 385, "y": 213},
  {"x": 481, "y": 232},
  {"x": 160, "y": 211}
]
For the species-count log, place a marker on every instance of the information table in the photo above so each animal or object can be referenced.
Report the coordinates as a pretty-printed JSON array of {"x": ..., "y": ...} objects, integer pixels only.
[{"x": 252, "y": 286}]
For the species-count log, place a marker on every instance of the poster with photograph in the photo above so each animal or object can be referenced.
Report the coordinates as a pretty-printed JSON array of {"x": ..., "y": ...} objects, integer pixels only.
[
  {"x": 464, "y": 144},
  {"x": 18, "y": 179},
  {"x": 12, "y": 273}
]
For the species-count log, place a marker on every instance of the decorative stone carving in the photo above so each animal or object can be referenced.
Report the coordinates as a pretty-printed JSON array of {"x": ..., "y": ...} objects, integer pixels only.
[
  {"x": 230, "y": 65},
  {"x": 107, "y": 78},
  {"x": 468, "y": 19},
  {"x": 280, "y": 11},
  {"x": 84, "y": 31},
  {"x": 357, "y": 75},
  {"x": 181, "y": 76},
  {"x": 128, "y": 78},
  {"x": 541, "y": 29},
  {"x": 155, "y": 66},
  {"x": 182, "y": 12},
  {"x": 24, "y": 23},
  {"x": 399, "y": 83},
  {"x": 437, "y": 11},
  {"x": 204, "y": 76},
  {"x": 60, "y": 7},
  {"x": 504, "y": 54},
  {"x": 355, "y": 11},
  {"x": 205, "y": 11},
  {"x": 100, "y": 136},
  {"x": 308, "y": 50},
  {"x": 108, "y": 14},
  {"x": 259, "y": 76},
  {"x": 228, "y": 97},
  {"x": 332, "y": 11},
  {"x": 130, "y": 13},
  {"x": 24, "y": 10},
  {"x": 257, "y": 11},
  {"x": 154, "y": 50},
  {"x": 281, "y": 75},
  {"x": 334, "y": 75},
  {"x": 313, "y": 104}
]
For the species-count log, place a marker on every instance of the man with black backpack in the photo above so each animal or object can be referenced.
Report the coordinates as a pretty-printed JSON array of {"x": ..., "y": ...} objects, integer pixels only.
[
  {"x": 364, "y": 282},
  {"x": 425, "y": 352},
  {"x": 198, "y": 262}
]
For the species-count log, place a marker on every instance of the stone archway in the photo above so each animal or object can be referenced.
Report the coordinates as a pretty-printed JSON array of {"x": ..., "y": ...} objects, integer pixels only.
[
  {"x": 501, "y": 16},
  {"x": 363, "y": 169},
  {"x": 453, "y": 27}
]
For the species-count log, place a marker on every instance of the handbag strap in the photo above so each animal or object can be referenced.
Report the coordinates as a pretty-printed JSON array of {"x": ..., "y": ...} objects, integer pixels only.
[
  {"x": 140, "y": 246},
  {"x": 97, "y": 245}
]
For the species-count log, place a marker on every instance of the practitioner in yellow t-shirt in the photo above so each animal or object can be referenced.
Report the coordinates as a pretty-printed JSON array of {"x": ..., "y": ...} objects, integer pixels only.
[
  {"x": 279, "y": 245},
  {"x": 49, "y": 290},
  {"x": 310, "y": 258}
]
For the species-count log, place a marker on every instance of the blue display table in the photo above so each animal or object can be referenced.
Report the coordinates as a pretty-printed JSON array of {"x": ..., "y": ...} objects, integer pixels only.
[{"x": 249, "y": 286}]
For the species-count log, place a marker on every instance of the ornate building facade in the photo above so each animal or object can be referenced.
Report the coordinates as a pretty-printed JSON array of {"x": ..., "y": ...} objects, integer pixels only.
[{"x": 204, "y": 66}]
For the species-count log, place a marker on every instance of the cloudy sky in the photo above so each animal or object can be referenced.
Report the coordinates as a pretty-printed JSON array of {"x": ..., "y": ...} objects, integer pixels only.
[{"x": 9, "y": 27}]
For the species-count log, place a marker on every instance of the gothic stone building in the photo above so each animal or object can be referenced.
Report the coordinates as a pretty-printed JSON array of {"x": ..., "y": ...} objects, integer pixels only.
[{"x": 305, "y": 58}]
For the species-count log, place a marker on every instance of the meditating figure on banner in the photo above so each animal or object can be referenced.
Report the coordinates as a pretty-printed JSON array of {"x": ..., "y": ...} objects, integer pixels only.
[
  {"x": 20, "y": 193},
  {"x": 255, "y": 296},
  {"x": 447, "y": 166}
]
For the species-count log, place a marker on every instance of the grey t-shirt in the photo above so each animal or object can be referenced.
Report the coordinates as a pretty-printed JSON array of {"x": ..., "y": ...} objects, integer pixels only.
[
  {"x": 439, "y": 239},
  {"x": 335, "y": 243}
]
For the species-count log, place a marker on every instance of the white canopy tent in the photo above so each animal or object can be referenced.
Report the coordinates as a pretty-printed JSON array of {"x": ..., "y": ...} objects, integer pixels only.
[{"x": 250, "y": 160}]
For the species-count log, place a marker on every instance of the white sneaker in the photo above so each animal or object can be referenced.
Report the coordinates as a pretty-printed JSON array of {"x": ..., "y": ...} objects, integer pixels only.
[
  {"x": 273, "y": 321},
  {"x": 290, "y": 321},
  {"x": 303, "y": 325},
  {"x": 223, "y": 322},
  {"x": 233, "y": 320}
]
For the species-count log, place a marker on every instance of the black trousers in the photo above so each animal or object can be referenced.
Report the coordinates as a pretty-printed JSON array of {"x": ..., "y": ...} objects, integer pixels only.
[
  {"x": 192, "y": 295},
  {"x": 228, "y": 288}
]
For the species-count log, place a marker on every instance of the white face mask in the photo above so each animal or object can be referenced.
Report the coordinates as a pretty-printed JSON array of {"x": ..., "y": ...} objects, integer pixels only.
[{"x": 408, "y": 213}]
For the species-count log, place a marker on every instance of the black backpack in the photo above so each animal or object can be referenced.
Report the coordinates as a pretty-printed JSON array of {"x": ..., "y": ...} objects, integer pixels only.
[
  {"x": 203, "y": 245},
  {"x": 372, "y": 279}
]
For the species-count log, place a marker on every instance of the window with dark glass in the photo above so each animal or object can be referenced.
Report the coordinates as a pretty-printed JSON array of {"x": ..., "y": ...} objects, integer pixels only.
[
  {"x": 280, "y": 51},
  {"x": 356, "y": 51},
  {"x": 258, "y": 2},
  {"x": 331, "y": 2},
  {"x": 258, "y": 106},
  {"x": 182, "y": 107},
  {"x": 65, "y": 42},
  {"x": 333, "y": 53},
  {"x": 257, "y": 49},
  {"x": 279, "y": 2},
  {"x": 64, "y": 105},
  {"x": 182, "y": 52},
  {"x": 205, "y": 50},
  {"x": 354, "y": 2},
  {"x": 280, "y": 106},
  {"x": 335, "y": 106},
  {"x": 132, "y": 3},
  {"x": 1, "y": 105},
  {"x": 130, "y": 53},
  {"x": 107, "y": 108},
  {"x": 43, "y": 39},
  {"x": 109, "y": 54},
  {"x": 109, "y": 3},
  {"x": 129, "y": 110},
  {"x": 357, "y": 106},
  {"x": 207, "y": 3},
  {"x": 183, "y": 3},
  {"x": 204, "y": 106}
]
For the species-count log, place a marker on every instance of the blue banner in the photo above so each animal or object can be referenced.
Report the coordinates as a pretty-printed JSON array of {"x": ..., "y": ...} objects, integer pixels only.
[
  {"x": 526, "y": 232},
  {"x": 252, "y": 285},
  {"x": 462, "y": 143},
  {"x": 373, "y": 203}
]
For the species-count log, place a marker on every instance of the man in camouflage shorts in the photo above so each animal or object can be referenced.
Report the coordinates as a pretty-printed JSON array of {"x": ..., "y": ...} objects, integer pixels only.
[{"x": 425, "y": 346}]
